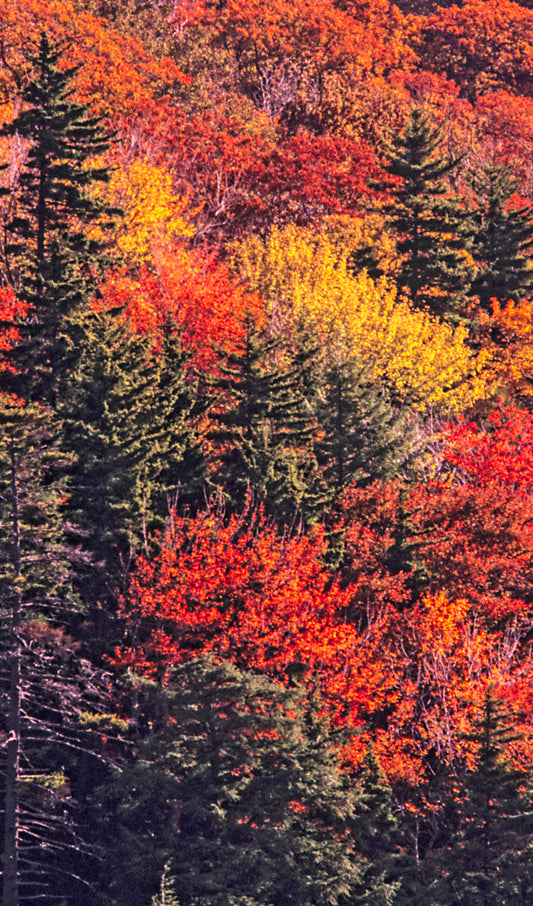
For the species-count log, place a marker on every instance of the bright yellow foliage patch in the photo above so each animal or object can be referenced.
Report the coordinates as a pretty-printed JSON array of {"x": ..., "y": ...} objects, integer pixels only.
[
  {"x": 300, "y": 274},
  {"x": 153, "y": 213}
]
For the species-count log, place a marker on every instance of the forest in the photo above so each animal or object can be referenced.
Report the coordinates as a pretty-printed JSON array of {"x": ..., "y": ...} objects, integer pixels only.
[{"x": 266, "y": 452}]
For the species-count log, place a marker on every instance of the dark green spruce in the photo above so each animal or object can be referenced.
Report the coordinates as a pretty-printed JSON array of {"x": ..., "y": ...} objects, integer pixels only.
[
  {"x": 429, "y": 220},
  {"x": 43, "y": 685},
  {"x": 363, "y": 435},
  {"x": 490, "y": 859},
  {"x": 503, "y": 243},
  {"x": 50, "y": 256},
  {"x": 129, "y": 419},
  {"x": 376, "y": 830},
  {"x": 264, "y": 427},
  {"x": 238, "y": 793}
]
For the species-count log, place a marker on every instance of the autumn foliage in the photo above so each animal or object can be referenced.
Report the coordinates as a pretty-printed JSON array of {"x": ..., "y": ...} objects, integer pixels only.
[
  {"x": 339, "y": 443},
  {"x": 237, "y": 589},
  {"x": 199, "y": 296}
]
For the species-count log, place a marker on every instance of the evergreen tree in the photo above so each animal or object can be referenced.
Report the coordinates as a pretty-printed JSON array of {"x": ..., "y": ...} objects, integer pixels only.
[
  {"x": 364, "y": 436},
  {"x": 264, "y": 426},
  {"x": 503, "y": 243},
  {"x": 106, "y": 415},
  {"x": 375, "y": 829},
  {"x": 51, "y": 258},
  {"x": 40, "y": 677},
  {"x": 175, "y": 470},
  {"x": 52, "y": 264},
  {"x": 365, "y": 258},
  {"x": 490, "y": 861},
  {"x": 430, "y": 222},
  {"x": 128, "y": 418},
  {"x": 29, "y": 529},
  {"x": 257, "y": 808}
]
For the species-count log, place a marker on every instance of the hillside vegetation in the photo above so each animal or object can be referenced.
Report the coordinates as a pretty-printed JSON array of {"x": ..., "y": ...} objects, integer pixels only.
[{"x": 266, "y": 452}]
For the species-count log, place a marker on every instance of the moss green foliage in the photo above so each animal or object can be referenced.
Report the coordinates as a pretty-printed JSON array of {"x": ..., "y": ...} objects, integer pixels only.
[{"x": 264, "y": 425}]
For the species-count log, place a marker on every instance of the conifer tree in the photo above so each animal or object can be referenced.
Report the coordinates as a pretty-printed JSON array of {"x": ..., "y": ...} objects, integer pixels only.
[
  {"x": 175, "y": 469},
  {"x": 36, "y": 686},
  {"x": 254, "y": 807},
  {"x": 264, "y": 426},
  {"x": 376, "y": 830},
  {"x": 490, "y": 861},
  {"x": 364, "y": 436},
  {"x": 51, "y": 258},
  {"x": 105, "y": 417},
  {"x": 429, "y": 221},
  {"x": 53, "y": 264},
  {"x": 128, "y": 418},
  {"x": 503, "y": 240}
]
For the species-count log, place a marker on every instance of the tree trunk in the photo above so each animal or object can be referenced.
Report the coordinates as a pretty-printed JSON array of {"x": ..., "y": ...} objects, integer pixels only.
[{"x": 10, "y": 892}]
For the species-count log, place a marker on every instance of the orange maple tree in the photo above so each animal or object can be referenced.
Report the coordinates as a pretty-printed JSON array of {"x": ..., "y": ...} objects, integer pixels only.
[
  {"x": 238, "y": 590},
  {"x": 194, "y": 291},
  {"x": 483, "y": 45},
  {"x": 445, "y": 658},
  {"x": 468, "y": 532},
  {"x": 409, "y": 678},
  {"x": 116, "y": 77}
]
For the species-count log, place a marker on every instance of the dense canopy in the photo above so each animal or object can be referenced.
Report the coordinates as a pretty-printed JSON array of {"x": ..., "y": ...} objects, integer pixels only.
[{"x": 266, "y": 452}]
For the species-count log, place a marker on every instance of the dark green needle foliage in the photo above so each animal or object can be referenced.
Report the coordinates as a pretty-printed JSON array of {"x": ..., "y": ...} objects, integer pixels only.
[
  {"x": 264, "y": 427},
  {"x": 364, "y": 436},
  {"x": 427, "y": 218},
  {"x": 52, "y": 261},
  {"x": 107, "y": 426},
  {"x": 38, "y": 685},
  {"x": 128, "y": 416},
  {"x": 503, "y": 245},
  {"x": 490, "y": 861},
  {"x": 32, "y": 489},
  {"x": 376, "y": 831},
  {"x": 252, "y": 804},
  {"x": 175, "y": 471}
]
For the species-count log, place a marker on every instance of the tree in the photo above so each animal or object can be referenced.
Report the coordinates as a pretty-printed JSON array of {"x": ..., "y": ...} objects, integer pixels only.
[
  {"x": 40, "y": 680},
  {"x": 175, "y": 469},
  {"x": 264, "y": 425},
  {"x": 428, "y": 220},
  {"x": 481, "y": 45},
  {"x": 113, "y": 72},
  {"x": 451, "y": 563},
  {"x": 364, "y": 435},
  {"x": 310, "y": 63},
  {"x": 106, "y": 415},
  {"x": 376, "y": 830},
  {"x": 468, "y": 532},
  {"x": 239, "y": 590},
  {"x": 489, "y": 861},
  {"x": 129, "y": 419},
  {"x": 258, "y": 809},
  {"x": 152, "y": 213},
  {"x": 503, "y": 240},
  {"x": 196, "y": 293},
  {"x": 305, "y": 276},
  {"x": 52, "y": 259}
]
